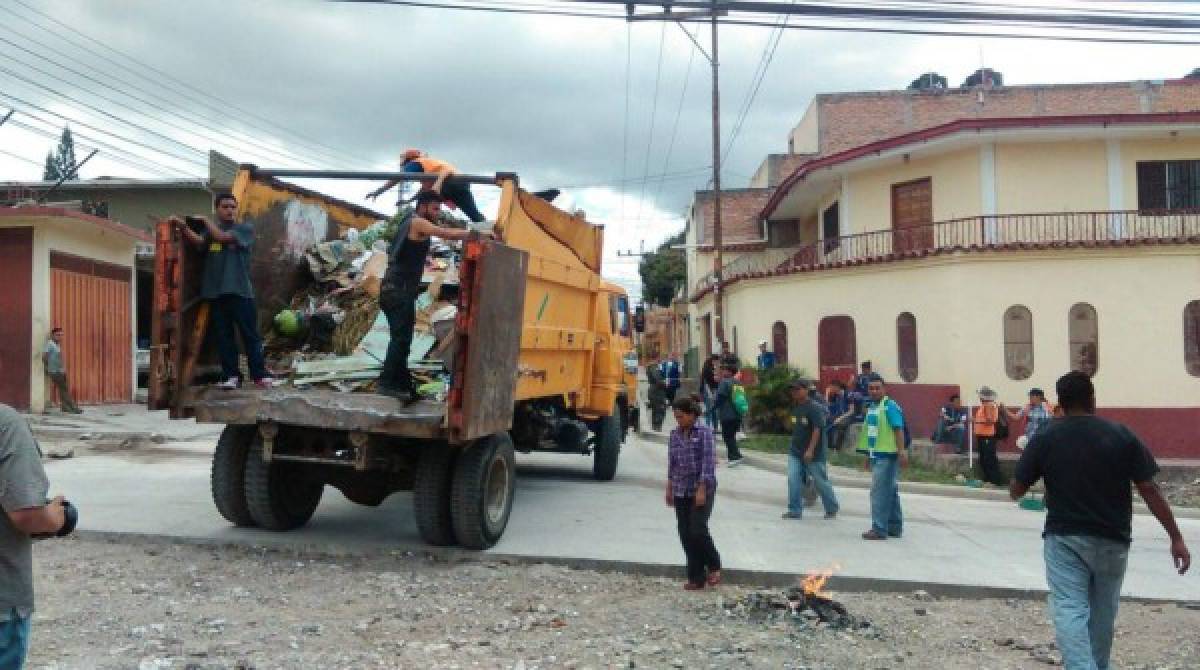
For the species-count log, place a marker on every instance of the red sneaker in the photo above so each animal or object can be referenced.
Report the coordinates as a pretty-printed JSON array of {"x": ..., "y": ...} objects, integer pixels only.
[{"x": 692, "y": 586}]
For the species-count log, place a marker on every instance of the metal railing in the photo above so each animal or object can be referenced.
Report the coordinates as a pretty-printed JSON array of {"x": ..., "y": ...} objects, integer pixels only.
[{"x": 971, "y": 233}]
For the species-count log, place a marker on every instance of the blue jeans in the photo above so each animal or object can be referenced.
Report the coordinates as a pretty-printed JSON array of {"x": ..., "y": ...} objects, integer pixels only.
[
  {"x": 14, "y": 641},
  {"x": 798, "y": 472},
  {"x": 886, "y": 516},
  {"x": 231, "y": 311},
  {"x": 1084, "y": 574}
]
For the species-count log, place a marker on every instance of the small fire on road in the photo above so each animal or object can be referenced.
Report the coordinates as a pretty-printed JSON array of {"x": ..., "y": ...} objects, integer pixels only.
[{"x": 806, "y": 602}]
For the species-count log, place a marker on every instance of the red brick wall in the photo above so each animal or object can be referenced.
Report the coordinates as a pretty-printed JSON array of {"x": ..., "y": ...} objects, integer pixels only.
[
  {"x": 739, "y": 214},
  {"x": 848, "y": 120}
]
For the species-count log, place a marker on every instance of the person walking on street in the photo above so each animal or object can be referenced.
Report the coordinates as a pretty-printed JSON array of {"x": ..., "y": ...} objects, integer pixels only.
[
  {"x": 806, "y": 456},
  {"x": 708, "y": 388},
  {"x": 838, "y": 403},
  {"x": 766, "y": 358},
  {"x": 672, "y": 373},
  {"x": 402, "y": 284},
  {"x": 728, "y": 414},
  {"x": 692, "y": 491},
  {"x": 226, "y": 286},
  {"x": 656, "y": 394},
  {"x": 52, "y": 360},
  {"x": 990, "y": 428},
  {"x": 27, "y": 513},
  {"x": 455, "y": 191},
  {"x": 882, "y": 440},
  {"x": 1037, "y": 415},
  {"x": 1090, "y": 466}
]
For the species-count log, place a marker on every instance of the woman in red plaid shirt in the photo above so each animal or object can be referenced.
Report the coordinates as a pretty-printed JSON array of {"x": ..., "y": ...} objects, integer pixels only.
[{"x": 691, "y": 490}]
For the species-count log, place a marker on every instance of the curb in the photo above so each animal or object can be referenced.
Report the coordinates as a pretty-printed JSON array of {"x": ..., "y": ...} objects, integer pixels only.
[{"x": 734, "y": 576}]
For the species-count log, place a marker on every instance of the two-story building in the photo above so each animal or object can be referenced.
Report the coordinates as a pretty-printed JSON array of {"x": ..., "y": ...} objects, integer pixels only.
[{"x": 969, "y": 237}]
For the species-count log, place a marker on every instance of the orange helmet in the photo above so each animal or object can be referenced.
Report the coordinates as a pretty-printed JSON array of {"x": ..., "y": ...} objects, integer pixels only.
[{"x": 410, "y": 155}]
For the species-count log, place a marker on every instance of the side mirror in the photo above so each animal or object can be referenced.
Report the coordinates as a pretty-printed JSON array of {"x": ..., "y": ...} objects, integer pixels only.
[{"x": 639, "y": 319}]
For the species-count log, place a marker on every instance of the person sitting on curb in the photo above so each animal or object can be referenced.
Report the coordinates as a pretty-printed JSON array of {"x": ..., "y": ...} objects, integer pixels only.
[{"x": 952, "y": 425}]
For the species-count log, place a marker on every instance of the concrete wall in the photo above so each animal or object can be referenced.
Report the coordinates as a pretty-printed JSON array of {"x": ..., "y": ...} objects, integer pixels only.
[
  {"x": 959, "y": 303},
  {"x": 956, "y": 190},
  {"x": 132, "y": 206},
  {"x": 81, "y": 239},
  {"x": 1036, "y": 177}
]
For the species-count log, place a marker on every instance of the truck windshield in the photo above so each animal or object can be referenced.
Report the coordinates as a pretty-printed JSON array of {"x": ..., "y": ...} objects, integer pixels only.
[{"x": 623, "y": 315}]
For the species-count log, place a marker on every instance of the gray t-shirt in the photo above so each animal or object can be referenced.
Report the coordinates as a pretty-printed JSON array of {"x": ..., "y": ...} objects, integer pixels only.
[
  {"x": 54, "y": 361},
  {"x": 807, "y": 418},
  {"x": 227, "y": 265},
  {"x": 23, "y": 484}
]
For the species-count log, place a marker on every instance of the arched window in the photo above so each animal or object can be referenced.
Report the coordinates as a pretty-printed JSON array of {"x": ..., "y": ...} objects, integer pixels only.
[
  {"x": 837, "y": 351},
  {"x": 1018, "y": 342},
  {"x": 1084, "y": 333},
  {"x": 779, "y": 342},
  {"x": 1191, "y": 337},
  {"x": 906, "y": 346}
]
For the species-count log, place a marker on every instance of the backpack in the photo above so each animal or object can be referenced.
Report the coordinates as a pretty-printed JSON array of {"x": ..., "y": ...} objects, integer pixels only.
[
  {"x": 1001, "y": 424},
  {"x": 740, "y": 403}
]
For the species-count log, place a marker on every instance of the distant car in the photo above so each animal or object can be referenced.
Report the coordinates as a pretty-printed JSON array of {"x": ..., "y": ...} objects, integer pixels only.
[{"x": 142, "y": 358}]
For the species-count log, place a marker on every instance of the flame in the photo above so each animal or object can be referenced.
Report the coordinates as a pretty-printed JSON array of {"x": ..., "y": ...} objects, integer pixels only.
[{"x": 814, "y": 582}]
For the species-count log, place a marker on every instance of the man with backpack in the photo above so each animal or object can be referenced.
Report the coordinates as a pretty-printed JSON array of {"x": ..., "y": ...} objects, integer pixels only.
[
  {"x": 731, "y": 406},
  {"x": 884, "y": 439}
]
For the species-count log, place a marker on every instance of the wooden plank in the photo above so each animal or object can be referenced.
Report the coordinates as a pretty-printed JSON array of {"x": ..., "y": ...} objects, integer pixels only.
[{"x": 331, "y": 410}]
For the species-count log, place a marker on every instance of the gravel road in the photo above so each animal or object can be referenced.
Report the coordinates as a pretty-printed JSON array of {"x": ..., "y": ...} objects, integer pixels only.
[{"x": 152, "y": 604}]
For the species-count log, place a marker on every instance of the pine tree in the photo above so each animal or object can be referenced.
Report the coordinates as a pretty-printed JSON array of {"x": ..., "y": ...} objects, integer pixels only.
[
  {"x": 61, "y": 162},
  {"x": 50, "y": 173}
]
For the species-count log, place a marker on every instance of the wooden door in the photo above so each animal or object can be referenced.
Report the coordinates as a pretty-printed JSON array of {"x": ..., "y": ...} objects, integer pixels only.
[
  {"x": 16, "y": 315},
  {"x": 837, "y": 349},
  {"x": 779, "y": 343},
  {"x": 91, "y": 302},
  {"x": 912, "y": 215}
]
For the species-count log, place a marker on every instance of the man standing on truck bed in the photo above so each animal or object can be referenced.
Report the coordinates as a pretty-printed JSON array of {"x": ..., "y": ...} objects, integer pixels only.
[
  {"x": 453, "y": 190},
  {"x": 226, "y": 286},
  {"x": 401, "y": 286}
]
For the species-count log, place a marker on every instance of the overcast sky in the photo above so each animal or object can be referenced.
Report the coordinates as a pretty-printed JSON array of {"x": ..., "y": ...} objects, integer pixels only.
[{"x": 542, "y": 96}]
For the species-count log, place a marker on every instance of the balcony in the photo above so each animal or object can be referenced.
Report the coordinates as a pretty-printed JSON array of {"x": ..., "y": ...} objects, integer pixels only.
[{"x": 977, "y": 233}]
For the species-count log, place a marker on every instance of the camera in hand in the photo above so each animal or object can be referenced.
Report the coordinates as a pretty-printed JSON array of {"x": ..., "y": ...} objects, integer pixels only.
[
  {"x": 194, "y": 223},
  {"x": 70, "y": 520}
]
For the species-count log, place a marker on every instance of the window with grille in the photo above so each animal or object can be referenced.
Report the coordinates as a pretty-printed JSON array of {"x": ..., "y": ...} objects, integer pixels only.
[
  {"x": 906, "y": 346},
  {"x": 1084, "y": 333},
  {"x": 1168, "y": 184},
  {"x": 1018, "y": 342},
  {"x": 1191, "y": 337}
]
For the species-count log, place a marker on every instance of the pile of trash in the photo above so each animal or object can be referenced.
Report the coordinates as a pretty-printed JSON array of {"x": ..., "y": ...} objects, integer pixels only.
[{"x": 334, "y": 335}]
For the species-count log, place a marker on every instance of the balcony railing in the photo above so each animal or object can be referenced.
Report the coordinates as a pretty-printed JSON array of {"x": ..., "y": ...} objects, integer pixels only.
[{"x": 972, "y": 233}]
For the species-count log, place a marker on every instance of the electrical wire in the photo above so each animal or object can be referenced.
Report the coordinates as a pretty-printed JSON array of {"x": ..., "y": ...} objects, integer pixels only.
[
  {"x": 111, "y": 152},
  {"x": 21, "y": 158},
  {"x": 687, "y": 73},
  {"x": 662, "y": 38},
  {"x": 625, "y": 125}
]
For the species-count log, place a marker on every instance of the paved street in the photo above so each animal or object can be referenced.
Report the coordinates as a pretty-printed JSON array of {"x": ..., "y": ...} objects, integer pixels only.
[{"x": 561, "y": 512}]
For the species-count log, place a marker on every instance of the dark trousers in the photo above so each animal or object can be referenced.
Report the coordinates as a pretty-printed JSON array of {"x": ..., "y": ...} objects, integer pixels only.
[
  {"x": 729, "y": 431},
  {"x": 397, "y": 299},
  {"x": 672, "y": 391},
  {"x": 459, "y": 192},
  {"x": 658, "y": 413},
  {"x": 989, "y": 462},
  {"x": 835, "y": 435},
  {"x": 234, "y": 311},
  {"x": 702, "y": 556},
  {"x": 65, "y": 400}
]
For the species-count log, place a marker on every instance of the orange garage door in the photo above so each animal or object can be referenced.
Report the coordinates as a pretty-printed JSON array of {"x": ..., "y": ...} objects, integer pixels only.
[{"x": 90, "y": 301}]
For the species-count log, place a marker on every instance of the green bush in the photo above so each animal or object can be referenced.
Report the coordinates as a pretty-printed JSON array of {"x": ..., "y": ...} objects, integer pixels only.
[{"x": 771, "y": 400}]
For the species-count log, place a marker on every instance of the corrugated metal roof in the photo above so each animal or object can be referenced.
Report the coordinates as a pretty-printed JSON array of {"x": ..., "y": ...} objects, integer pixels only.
[{"x": 110, "y": 183}]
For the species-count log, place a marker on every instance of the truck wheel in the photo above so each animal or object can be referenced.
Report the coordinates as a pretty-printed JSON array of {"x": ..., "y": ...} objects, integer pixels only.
[
  {"x": 608, "y": 447},
  {"x": 228, "y": 474},
  {"x": 482, "y": 493},
  {"x": 431, "y": 495},
  {"x": 280, "y": 495}
]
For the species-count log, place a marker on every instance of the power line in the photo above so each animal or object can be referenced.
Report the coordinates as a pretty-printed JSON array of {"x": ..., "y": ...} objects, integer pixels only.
[
  {"x": 180, "y": 87},
  {"x": 687, "y": 74},
  {"x": 115, "y": 154},
  {"x": 662, "y": 38},
  {"x": 625, "y": 125},
  {"x": 21, "y": 158}
]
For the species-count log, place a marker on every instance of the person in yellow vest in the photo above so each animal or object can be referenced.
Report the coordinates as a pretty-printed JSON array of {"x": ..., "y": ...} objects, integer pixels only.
[
  {"x": 454, "y": 192},
  {"x": 882, "y": 440}
]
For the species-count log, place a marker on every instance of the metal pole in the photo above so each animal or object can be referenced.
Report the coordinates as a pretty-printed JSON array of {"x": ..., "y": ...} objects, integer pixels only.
[
  {"x": 73, "y": 173},
  {"x": 718, "y": 297},
  {"x": 377, "y": 176},
  {"x": 7, "y": 116}
]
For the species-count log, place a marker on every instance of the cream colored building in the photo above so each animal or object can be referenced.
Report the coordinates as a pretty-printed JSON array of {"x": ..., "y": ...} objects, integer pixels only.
[{"x": 986, "y": 250}]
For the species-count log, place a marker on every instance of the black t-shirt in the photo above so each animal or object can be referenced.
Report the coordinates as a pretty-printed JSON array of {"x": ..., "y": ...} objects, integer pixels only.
[
  {"x": 807, "y": 418},
  {"x": 1089, "y": 465}
]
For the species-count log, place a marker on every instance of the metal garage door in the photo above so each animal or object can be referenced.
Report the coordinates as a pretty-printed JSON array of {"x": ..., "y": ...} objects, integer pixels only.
[
  {"x": 16, "y": 315},
  {"x": 90, "y": 301}
]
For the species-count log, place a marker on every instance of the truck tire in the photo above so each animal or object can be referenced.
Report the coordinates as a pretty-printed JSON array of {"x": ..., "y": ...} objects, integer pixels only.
[
  {"x": 482, "y": 492},
  {"x": 228, "y": 474},
  {"x": 431, "y": 495},
  {"x": 280, "y": 495},
  {"x": 608, "y": 447}
]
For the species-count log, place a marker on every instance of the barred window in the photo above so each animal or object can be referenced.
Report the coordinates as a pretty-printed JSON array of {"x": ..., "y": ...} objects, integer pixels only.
[
  {"x": 1084, "y": 332},
  {"x": 1018, "y": 342}
]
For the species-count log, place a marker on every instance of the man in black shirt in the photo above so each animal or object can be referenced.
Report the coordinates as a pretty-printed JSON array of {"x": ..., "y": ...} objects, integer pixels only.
[
  {"x": 1089, "y": 465},
  {"x": 402, "y": 284}
]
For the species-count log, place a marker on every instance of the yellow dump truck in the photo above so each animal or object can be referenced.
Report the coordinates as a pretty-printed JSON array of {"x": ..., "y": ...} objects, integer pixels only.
[{"x": 544, "y": 362}]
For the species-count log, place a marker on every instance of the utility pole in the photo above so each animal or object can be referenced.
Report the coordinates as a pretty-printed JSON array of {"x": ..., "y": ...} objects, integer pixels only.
[{"x": 713, "y": 13}]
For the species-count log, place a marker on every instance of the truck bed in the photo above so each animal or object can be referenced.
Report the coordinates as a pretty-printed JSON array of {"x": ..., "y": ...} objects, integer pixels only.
[{"x": 334, "y": 410}]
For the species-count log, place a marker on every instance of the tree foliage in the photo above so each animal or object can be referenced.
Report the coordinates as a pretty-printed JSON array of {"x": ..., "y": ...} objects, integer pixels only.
[
  {"x": 930, "y": 81},
  {"x": 1194, "y": 74},
  {"x": 662, "y": 271},
  {"x": 771, "y": 400},
  {"x": 61, "y": 162},
  {"x": 982, "y": 75}
]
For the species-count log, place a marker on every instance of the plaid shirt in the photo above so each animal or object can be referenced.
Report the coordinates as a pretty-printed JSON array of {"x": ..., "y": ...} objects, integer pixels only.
[
  {"x": 691, "y": 460},
  {"x": 1037, "y": 417}
]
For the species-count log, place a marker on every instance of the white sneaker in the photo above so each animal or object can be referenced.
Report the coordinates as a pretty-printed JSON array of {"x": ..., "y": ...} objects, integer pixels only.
[
  {"x": 230, "y": 384},
  {"x": 733, "y": 463}
]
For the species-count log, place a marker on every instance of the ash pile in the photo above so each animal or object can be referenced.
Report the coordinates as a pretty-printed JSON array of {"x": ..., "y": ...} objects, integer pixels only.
[
  {"x": 333, "y": 334},
  {"x": 806, "y": 604}
]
